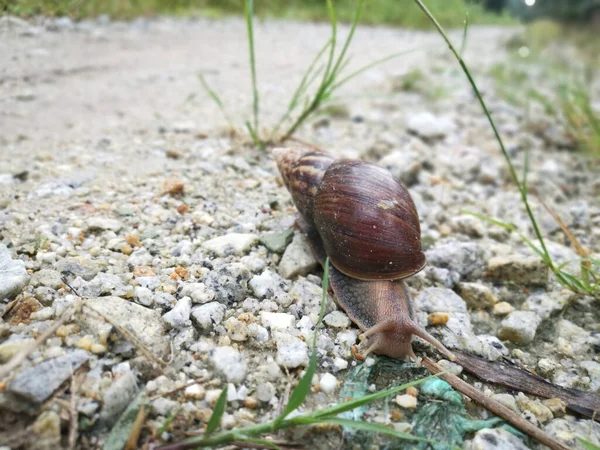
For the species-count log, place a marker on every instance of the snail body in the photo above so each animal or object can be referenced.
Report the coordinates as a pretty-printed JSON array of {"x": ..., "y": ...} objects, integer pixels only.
[{"x": 365, "y": 221}]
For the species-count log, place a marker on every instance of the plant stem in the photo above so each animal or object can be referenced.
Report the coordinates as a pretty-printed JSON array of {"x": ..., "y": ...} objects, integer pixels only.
[{"x": 248, "y": 10}]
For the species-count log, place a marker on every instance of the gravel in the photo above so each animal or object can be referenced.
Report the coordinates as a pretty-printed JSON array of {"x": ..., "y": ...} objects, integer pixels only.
[{"x": 143, "y": 207}]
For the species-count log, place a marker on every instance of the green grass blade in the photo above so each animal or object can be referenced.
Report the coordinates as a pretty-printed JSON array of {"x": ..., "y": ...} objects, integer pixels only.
[
  {"x": 213, "y": 95},
  {"x": 254, "y": 136},
  {"x": 507, "y": 158},
  {"x": 525, "y": 170},
  {"x": 215, "y": 418},
  {"x": 374, "y": 427},
  {"x": 302, "y": 389},
  {"x": 248, "y": 11},
  {"x": 356, "y": 403},
  {"x": 463, "y": 42},
  {"x": 370, "y": 66},
  {"x": 587, "y": 444}
]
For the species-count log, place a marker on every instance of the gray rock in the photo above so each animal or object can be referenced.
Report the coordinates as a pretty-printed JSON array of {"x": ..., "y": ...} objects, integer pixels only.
[
  {"x": 78, "y": 267},
  {"x": 297, "y": 258},
  {"x": 270, "y": 285},
  {"x": 229, "y": 283},
  {"x": 198, "y": 292},
  {"x": 230, "y": 363},
  {"x": 104, "y": 224},
  {"x": 527, "y": 271},
  {"x": 39, "y": 382},
  {"x": 519, "y": 327},
  {"x": 570, "y": 429},
  {"x": 544, "y": 305},
  {"x": 495, "y": 439},
  {"x": 205, "y": 316},
  {"x": 337, "y": 319},
  {"x": 429, "y": 126},
  {"x": 13, "y": 276},
  {"x": 144, "y": 323},
  {"x": 104, "y": 284},
  {"x": 231, "y": 244},
  {"x": 404, "y": 165},
  {"x": 466, "y": 258},
  {"x": 292, "y": 352},
  {"x": 179, "y": 316},
  {"x": 593, "y": 370},
  {"x": 47, "y": 277},
  {"x": 440, "y": 300},
  {"x": 118, "y": 395},
  {"x": 477, "y": 296},
  {"x": 265, "y": 392},
  {"x": 277, "y": 241},
  {"x": 52, "y": 189}
]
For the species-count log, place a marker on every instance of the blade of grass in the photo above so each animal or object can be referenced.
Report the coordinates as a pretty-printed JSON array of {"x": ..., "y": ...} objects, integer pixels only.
[
  {"x": 254, "y": 136},
  {"x": 302, "y": 389},
  {"x": 215, "y": 418},
  {"x": 587, "y": 444},
  {"x": 463, "y": 42},
  {"x": 213, "y": 95},
  {"x": 248, "y": 12},
  {"x": 507, "y": 158}
]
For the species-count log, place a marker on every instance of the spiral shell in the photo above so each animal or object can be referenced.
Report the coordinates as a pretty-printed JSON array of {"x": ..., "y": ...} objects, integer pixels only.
[{"x": 366, "y": 219}]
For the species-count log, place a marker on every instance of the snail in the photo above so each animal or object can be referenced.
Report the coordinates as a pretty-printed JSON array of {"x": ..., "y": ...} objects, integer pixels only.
[{"x": 365, "y": 221}]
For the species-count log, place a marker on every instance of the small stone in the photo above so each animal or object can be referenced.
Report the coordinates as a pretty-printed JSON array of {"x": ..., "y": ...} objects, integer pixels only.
[
  {"x": 477, "y": 295},
  {"x": 327, "y": 383},
  {"x": 198, "y": 292},
  {"x": 539, "y": 410},
  {"x": 229, "y": 282},
  {"x": 429, "y": 126},
  {"x": 143, "y": 271},
  {"x": 265, "y": 392},
  {"x": 47, "y": 277},
  {"x": 593, "y": 370},
  {"x": 78, "y": 267},
  {"x": 526, "y": 271},
  {"x": 411, "y": 390},
  {"x": 292, "y": 352},
  {"x": 465, "y": 258},
  {"x": 277, "y": 241},
  {"x": 271, "y": 285},
  {"x": 340, "y": 364},
  {"x": 297, "y": 259},
  {"x": 438, "y": 319},
  {"x": 502, "y": 309},
  {"x": 85, "y": 343},
  {"x": 179, "y": 316},
  {"x": 544, "y": 305},
  {"x": 144, "y": 323},
  {"x": 250, "y": 402},
  {"x": 406, "y": 401},
  {"x": 494, "y": 439},
  {"x": 230, "y": 363},
  {"x": 104, "y": 224},
  {"x": 195, "y": 392},
  {"x": 546, "y": 367},
  {"x": 173, "y": 186},
  {"x": 205, "y": 316},
  {"x": 277, "y": 321},
  {"x": 37, "y": 383},
  {"x": 98, "y": 349},
  {"x": 13, "y": 276},
  {"x": 556, "y": 406},
  {"x": 236, "y": 329},
  {"x": 118, "y": 395},
  {"x": 507, "y": 400},
  {"x": 519, "y": 327},
  {"x": 337, "y": 319},
  {"x": 12, "y": 346},
  {"x": 231, "y": 244}
]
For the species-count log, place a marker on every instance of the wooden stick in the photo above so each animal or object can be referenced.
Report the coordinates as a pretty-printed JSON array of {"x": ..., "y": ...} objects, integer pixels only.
[{"x": 492, "y": 405}]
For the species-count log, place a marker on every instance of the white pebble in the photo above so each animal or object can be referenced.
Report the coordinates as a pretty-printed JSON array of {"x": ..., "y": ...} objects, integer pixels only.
[{"x": 327, "y": 383}]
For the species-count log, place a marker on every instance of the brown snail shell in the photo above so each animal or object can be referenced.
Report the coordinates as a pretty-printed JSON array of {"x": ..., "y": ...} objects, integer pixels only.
[{"x": 365, "y": 221}]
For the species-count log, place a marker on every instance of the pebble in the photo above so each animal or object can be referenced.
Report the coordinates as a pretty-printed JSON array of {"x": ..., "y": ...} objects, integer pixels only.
[
  {"x": 144, "y": 323},
  {"x": 195, "y": 392},
  {"x": 205, "y": 316},
  {"x": 477, "y": 296},
  {"x": 277, "y": 321},
  {"x": 231, "y": 244},
  {"x": 292, "y": 352},
  {"x": 39, "y": 382},
  {"x": 229, "y": 282},
  {"x": 545, "y": 305},
  {"x": 519, "y": 327},
  {"x": 406, "y": 401},
  {"x": 507, "y": 400},
  {"x": 271, "y": 285},
  {"x": 179, "y": 316},
  {"x": 593, "y": 370},
  {"x": 277, "y": 241},
  {"x": 198, "y": 292},
  {"x": 103, "y": 224},
  {"x": 502, "y": 309},
  {"x": 13, "y": 276},
  {"x": 327, "y": 383},
  {"x": 118, "y": 395},
  {"x": 536, "y": 407},
  {"x": 297, "y": 260},
  {"x": 494, "y": 439},
  {"x": 337, "y": 319},
  {"x": 429, "y": 126},
  {"x": 525, "y": 271},
  {"x": 465, "y": 258},
  {"x": 230, "y": 363},
  {"x": 265, "y": 392}
]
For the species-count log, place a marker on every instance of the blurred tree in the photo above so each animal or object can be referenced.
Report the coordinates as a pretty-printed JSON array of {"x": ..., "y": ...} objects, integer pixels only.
[{"x": 563, "y": 10}]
